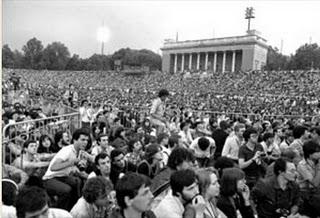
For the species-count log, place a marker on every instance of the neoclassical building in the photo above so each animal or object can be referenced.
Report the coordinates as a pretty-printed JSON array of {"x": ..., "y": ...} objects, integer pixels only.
[{"x": 248, "y": 52}]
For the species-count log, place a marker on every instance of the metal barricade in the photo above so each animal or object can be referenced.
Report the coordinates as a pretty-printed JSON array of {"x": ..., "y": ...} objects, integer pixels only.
[{"x": 15, "y": 134}]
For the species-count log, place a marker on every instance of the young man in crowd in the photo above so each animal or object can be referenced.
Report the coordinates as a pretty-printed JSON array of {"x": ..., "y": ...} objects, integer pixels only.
[
  {"x": 163, "y": 140},
  {"x": 134, "y": 197},
  {"x": 234, "y": 142},
  {"x": 204, "y": 148},
  {"x": 33, "y": 202},
  {"x": 63, "y": 177},
  {"x": 301, "y": 135},
  {"x": 184, "y": 188},
  {"x": 157, "y": 111},
  {"x": 96, "y": 200},
  {"x": 103, "y": 145},
  {"x": 220, "y": 135},
  {"x": 61, "y": 139},
  {"x": 102, "y": 166},
  {"x": 278, "y": 196},
  {"x": 250, "y": 157}
]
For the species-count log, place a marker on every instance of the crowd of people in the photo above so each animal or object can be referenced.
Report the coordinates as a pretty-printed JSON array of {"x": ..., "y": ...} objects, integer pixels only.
[{"x": 144, "y": 151}]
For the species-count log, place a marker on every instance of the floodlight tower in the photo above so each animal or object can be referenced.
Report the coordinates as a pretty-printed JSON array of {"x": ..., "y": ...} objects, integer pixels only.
[
  {"x": 103, "y": 36},
  {"x": 249, "y": 15}
]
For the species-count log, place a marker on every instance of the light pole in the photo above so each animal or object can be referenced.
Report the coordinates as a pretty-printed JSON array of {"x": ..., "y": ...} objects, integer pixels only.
[
  {"x": 103, "y": 36},
  {"x": 249, "y": 15}
]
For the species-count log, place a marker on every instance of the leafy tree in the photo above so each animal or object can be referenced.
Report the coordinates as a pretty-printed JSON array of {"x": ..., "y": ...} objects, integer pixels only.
[
  {"x": 7, "y": 57},
  {"x": 306, "y": 57},
  {"x": 275, "y": 60},
  {"x": 18, "y": 59},
  {"x": 56, "y": 56},
  {"x": 74, "y": 63},
  {"x": 33, "y": 54},
  {"x": 98, "y": 62}
]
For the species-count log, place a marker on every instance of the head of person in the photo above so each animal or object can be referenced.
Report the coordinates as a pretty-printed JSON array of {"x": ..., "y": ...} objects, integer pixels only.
[
  {"x": 251, "y": 135},
  {"x": 163, "y": 139},
  {"x": 163, "y": 94},
  {"x": 268, "y": 138},
  {"x": 103, "y": 163},
  {"x": 32, "y": 202},
  {"x": 45, "y": 143},
  {"x": 117, "y": 158},
  {"x": 174, "y": 141},
  {"x": 311, "y": 150},
  {"x": 223, "y": 163},
  {"x": 103, "y": 140},
  {"x": 134, "y": 144},
  {"x": 181, "y": 158},
  {"x": 225, "y": 126},
  {"x": 97, "y": 190},
  {"x": 315, "y": 133},
  {"x": 133, "y": 192},
  {"x": 71, "y": 87},
  {"x": 209, "y": 186},
  {"x": 184, "y": 185},
  {"x": 80, "y": 138},
  {"x": 84, "y": 103},
  {"x": 30, "y": 147},
  {"x": 239, "y": 129},
  {"x": 300, "y": 132},
  {"x": 153, "y": 153},
  {"x": 120, "y": 132},
  {"x": 9, "y": 192},
  {"x": 285, "y": 169},
  {"x": 203, "y": 143},
  {"x": 232, "y": 181},
  {"x": 291, "y": 156},
  {"x": 184, "y": 126},
  {"x": 62, "y": 137}
]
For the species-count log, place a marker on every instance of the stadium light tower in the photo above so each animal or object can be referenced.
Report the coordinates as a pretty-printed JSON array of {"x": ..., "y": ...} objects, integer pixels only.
[
  {"x": 103, "y": 36},
  {"x": 249, "y": 15}
]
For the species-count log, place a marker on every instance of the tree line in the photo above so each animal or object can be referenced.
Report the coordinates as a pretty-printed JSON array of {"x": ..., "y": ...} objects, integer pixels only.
[{"x": 56, "y": 56}]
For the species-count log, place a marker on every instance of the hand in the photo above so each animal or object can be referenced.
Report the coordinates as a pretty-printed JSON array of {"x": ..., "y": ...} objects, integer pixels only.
[
  {"x": 246, "y": 193},
  {"x": 199, "y": 204},
  {"x": 256, "y": 155}
]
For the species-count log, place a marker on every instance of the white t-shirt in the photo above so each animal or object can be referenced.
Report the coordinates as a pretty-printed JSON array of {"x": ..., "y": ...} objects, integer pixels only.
[{"x": 66, "y": 153}]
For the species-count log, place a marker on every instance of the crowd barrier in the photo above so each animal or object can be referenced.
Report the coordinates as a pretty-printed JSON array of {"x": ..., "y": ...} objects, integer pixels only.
[{"x": 15, "y": 134}]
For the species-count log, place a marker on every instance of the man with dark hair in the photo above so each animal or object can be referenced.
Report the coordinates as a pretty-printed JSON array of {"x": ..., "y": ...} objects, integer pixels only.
[
  {"x": 119, "y": 166},
  {"x": 102, "y": 166},
  {"x": 103, "y": 145},
  {"x": 234, "y": 142},
  {"x": 300, "y": 134},
  {"x": 96, "y": 200},
  {"x": 278, "y": 196},
  {"x": 184, "y": 188},
  {"x": 33, "y": 202},
  {"x": 204, "y": 148},
  {"x": 61, "y": 139},
  {"x": 315, "y": 134},
  {"x": 133, "y": 197},
  {"x": 157, "y": 111},
  {"x": 309, "y": 178},
  {"x": 62, "y": 177},
  {"x": 163, "y": 140},
  {"x": 250, "y": 157},
  {"x": 271, "y": 150},
  {"x": 220, "y": 135}
]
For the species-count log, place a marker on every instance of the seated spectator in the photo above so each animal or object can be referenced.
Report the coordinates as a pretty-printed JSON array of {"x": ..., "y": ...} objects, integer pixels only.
[
  {"x": 278, "y": 196},
  {"x": 184, "y": 188},
  {"x": 120, "y": 141},
  {"x": 119, "y": 166},
  {"x": 102, "y": 166},
  {"x": 63, "y": 178},
  {"x": 102, "y": 145},
  {"x": 163, "y": 140},
  {"x": 61, "y": 139},
  {"x": 234, "y": 194},
  {"x": 134, "y": 197},
  {"x": 203, "y": 148},
  {"x": 96, "y": 200},
  {"x": 151, "y": 164},
  {"x": 30, "y": 161},
  {"x": 46, "y": 147},
  {"x": 33, "y": 202},
  {"x": 209, "y": 189},
  {"x": 135, "y": 149}
]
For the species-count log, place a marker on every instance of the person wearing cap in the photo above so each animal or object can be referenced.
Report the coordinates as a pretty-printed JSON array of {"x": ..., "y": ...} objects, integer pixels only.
[
  {"x": 157, "y": 111},
  {"x": 151, "y": 164}
]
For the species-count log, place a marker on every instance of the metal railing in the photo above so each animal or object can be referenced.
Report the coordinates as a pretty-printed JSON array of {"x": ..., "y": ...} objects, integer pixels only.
[{"x": 15, "y": 134}]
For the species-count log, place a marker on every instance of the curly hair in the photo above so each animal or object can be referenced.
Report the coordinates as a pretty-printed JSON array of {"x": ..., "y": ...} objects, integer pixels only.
[{"x": 96, "y": 187}]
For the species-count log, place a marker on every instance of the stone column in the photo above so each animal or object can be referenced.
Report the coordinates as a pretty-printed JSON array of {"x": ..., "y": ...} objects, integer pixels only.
[
  {"x": 175, "y": 63},
  {"x": 182, "y": 63},
  {"x": 206, "y": 62},
  {"x": 215, "y": 62},
  {"x": 224, "y": 61},
  {"x": 198, "y": 61},
  {"x": 190, "y": 61},
  {"x": 233, "y": 67}
]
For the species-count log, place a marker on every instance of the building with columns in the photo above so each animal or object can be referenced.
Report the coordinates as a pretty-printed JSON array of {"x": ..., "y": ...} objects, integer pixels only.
[{"x": 248, "y": 52}]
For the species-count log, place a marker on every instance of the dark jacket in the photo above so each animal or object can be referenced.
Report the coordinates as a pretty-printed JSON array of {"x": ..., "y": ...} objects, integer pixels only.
[{"x": 230, "y": 210}]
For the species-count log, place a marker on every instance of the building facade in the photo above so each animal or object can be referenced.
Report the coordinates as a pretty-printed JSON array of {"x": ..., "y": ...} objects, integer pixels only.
[{"x": 236, "y": 53}]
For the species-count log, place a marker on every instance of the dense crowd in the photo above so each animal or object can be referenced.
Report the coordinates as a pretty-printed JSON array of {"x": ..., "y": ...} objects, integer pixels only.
[{"x": 141, "y": 152}]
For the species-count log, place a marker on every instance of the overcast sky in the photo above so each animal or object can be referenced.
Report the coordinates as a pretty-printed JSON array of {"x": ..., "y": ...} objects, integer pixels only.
[{"x": 145, "y": 24}]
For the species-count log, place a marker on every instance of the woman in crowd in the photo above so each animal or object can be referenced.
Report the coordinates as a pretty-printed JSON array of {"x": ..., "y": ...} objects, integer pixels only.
[
  {"x": 151, "y": 164},
  {"x": 234, "y": 200},
  {"x": 45, "y": 148}
]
